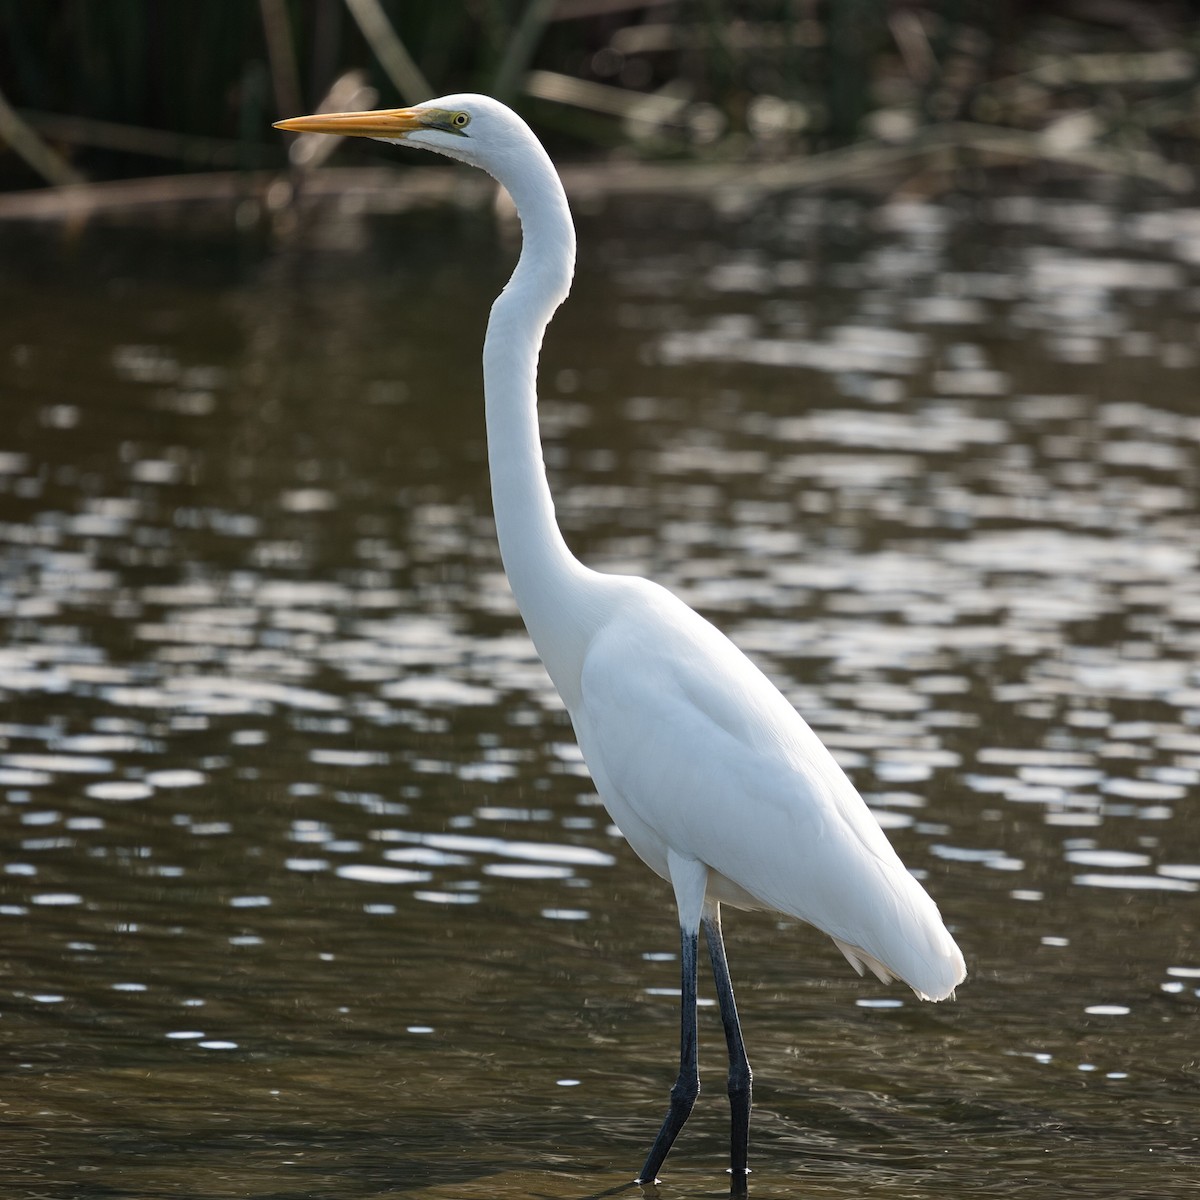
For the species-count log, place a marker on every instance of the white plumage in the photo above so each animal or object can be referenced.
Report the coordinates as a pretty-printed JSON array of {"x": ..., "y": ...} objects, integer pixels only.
[
  {"x": 693, "y": 749},
  {"x": 715, "y": 780}
]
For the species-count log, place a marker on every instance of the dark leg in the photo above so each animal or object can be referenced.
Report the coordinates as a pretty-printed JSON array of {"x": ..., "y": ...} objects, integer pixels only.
[
  {"x": 739, "y": 1064},
  {"x": 687, "y": 1086}
]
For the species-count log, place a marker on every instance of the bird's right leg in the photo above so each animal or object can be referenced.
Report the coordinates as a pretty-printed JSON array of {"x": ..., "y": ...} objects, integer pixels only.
[
  {"x": 689, "y": 878},
  {"x": 740, "y": 1076}
]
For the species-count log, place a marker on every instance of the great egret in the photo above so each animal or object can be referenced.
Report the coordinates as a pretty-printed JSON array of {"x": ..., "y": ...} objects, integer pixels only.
[{"x": 715, "y": 780}]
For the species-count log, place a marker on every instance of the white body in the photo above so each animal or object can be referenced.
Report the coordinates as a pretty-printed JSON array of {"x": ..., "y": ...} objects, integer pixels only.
[
  {"x": 715, "y": 780},
  {"x": 698, "y": 756}
]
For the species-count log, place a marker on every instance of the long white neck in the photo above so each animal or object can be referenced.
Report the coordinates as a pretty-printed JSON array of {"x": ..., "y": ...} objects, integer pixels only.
[{"x": 550, "y": 585}]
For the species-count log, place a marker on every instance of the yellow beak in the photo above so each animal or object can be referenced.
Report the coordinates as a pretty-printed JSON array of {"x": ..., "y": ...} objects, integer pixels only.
[{"x": 384, "y": 123}]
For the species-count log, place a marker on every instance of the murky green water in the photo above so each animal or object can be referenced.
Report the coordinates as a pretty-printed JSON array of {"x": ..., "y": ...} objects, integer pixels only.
[{"x": 305, "y": 890}]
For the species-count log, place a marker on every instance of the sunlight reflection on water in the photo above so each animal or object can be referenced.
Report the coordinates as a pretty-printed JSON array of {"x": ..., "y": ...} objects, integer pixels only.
[{"x": 284, "y": 782}]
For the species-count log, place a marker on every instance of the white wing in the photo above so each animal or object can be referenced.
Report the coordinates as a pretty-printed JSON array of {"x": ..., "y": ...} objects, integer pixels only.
[{"x": 693, "y": 748}]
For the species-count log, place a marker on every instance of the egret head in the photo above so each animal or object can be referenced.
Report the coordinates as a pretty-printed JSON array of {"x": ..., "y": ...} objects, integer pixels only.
[
  {"x": 484, "y": 133},
  {"x": 473, "y": 129}
]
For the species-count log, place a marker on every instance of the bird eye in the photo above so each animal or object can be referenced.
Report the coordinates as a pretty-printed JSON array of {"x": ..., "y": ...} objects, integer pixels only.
[{"x": 460, "y": 119}]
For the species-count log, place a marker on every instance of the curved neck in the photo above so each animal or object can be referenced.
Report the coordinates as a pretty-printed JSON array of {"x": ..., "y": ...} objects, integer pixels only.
[{"x": 545, "y": 577}]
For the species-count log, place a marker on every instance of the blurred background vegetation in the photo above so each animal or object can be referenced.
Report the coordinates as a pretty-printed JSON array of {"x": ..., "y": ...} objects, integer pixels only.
[{"x": 108, "y": 89}]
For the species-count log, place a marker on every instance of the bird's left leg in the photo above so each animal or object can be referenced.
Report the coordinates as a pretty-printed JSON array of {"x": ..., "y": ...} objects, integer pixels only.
[
  {"x": 689, "y": 878},
  {"x": 740, "y": 1077},
  {"x": 687, "y": 1085}
]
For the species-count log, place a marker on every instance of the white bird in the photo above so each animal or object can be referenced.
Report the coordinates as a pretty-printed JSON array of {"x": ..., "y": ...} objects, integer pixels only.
[{"x": 715, "y": 780}]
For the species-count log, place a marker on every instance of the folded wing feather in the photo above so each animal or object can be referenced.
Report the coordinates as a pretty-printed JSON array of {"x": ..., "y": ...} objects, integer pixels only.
[{"x": 706, "y": 753}]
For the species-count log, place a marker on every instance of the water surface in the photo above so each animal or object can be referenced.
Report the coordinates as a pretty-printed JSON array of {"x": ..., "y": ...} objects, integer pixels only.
[{"x": 305, "y": 888}]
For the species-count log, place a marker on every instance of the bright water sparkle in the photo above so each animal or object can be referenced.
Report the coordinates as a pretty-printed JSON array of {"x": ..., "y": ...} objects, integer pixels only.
[{"x": 305, "y": 887}]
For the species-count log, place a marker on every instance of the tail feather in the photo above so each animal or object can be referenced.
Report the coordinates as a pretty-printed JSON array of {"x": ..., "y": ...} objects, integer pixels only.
[
  {"x": 860, "y": 960},
  {"x": 951, "y": 974}
]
